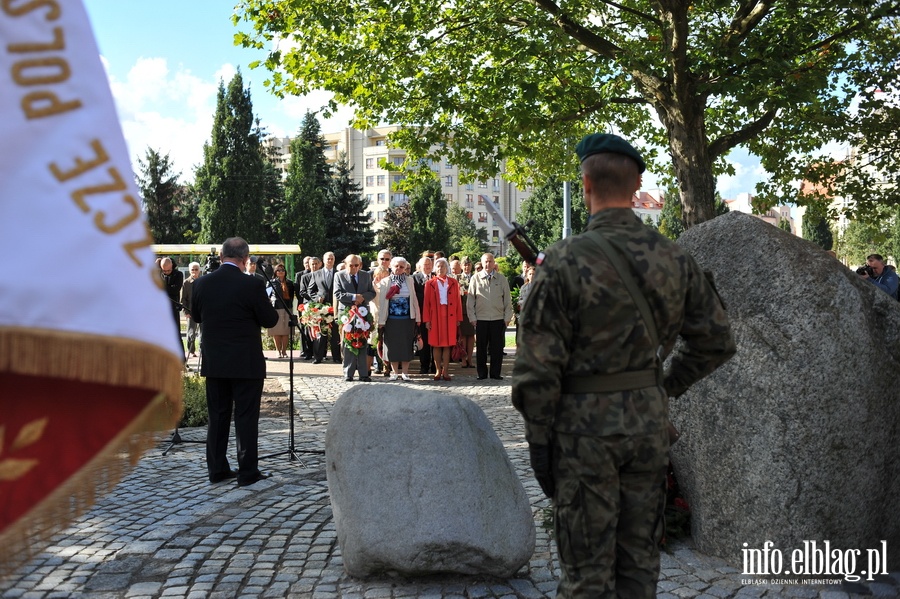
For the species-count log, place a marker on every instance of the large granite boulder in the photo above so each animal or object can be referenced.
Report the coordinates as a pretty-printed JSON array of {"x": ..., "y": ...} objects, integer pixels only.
[
  {"x": 796, "y": 438},
  {"x": 421, "y": 484}
]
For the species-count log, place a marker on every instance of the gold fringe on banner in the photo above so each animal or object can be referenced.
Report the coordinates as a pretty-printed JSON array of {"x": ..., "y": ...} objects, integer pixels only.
[
  {"x": 95, "y": 359},
  {"x": 92, "y": 359}
]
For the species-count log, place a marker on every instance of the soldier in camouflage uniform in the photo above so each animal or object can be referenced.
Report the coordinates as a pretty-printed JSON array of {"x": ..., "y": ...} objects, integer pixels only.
[{"x": 588, "y": 382}]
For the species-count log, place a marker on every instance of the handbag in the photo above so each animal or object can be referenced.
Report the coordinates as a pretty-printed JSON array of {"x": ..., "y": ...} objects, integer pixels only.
[{"x": 459, "y": 350}]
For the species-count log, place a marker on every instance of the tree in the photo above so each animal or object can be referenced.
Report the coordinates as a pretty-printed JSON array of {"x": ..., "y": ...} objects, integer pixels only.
[
  {"x": 860, "y": 239},
  {"x": 348, "y": 226},
  {"x": 816, "y": 226},
  {"x": 470, "y": 247},
  {"x": 395, "y": 233},
  {"x": 695, "y": 78},
  {"x": 428, "y": 210},
  {"x": 167, "y": 203},
  {"x": 462, "y": 228},
  {"x": 544, "y": 211},
  {"x": 306, "y": 191},
  {"x": 785, "y": 225},
  {"x": 231, "y": 182}
]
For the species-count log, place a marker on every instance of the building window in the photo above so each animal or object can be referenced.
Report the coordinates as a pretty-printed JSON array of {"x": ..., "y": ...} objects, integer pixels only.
[
  {"x": 469, "y": 215},
  {"x": 368, "y": 198},
  {"x": 448, "y": 197},
  {"x": 447, "y": 165},
  {"x": 482, "y": 217},
  {"x": 496, "y": 184},
  {"x": 480, "y": 200},
  {"x": 380, "y": 142},
  {"x": 381, "y": 180},
  {"x": 398, "y": 160},
  {"x": 381, "y": 198},
  {"x": 448, "y": 181},
  {"x": 370, "y": 181},
  {"x": 398, "y": 199},
  {"x": 397, "y": 178},
  {"x": 381, "y": 214},
  {"x": 469, "y": 187},
  {"x": 482, "y": 184},
  {"x": 496, "y": 199},
  {"x": 370, "y": 163},
  {"x": 496, "y": 236}
]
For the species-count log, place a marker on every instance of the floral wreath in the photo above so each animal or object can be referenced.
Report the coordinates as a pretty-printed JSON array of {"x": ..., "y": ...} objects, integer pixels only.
[
  {"x": 315, "y": 317},
  {"x": 356, "y": 326}
]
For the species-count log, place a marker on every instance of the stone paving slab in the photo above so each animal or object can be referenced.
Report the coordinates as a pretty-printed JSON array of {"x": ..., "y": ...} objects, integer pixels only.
[{"x": 165, "y": 532}]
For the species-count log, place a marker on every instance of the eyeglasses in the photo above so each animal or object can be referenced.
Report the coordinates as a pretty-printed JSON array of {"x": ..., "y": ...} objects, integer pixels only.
[
  {"x": 357, "y": 265},
  {"x": 385, "y": 259},
  {"x": 279, "y": 270}
]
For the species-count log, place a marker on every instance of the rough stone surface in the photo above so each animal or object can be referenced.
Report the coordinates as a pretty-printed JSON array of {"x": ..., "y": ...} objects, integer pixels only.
[
  {"x": 798, "y": 436},
  {"x": 421, "y": 484}
]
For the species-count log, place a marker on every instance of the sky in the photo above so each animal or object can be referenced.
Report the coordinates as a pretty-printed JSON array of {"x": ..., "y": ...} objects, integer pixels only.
[{"x": 164, "y": 60}]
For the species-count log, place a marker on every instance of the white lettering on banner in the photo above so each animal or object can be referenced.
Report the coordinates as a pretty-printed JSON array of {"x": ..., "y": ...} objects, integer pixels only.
[
  {"x": 816, "y": 560},
  {"x": 44, "y": 71}
]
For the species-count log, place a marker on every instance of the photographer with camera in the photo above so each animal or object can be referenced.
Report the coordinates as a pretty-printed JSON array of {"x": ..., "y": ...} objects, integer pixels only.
[{"x": 880, "y": 274}]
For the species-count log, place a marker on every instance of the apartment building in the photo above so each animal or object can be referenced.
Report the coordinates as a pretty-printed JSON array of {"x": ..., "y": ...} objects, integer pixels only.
[{"x": 367, "y": 149}]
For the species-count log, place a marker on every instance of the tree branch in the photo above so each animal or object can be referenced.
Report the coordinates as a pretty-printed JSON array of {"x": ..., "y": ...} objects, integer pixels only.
[
  {"x": 635, "y": 12},
  {"x": 747, "y": 17},
  {"x": 723, "y": 144},
  {"x": 596, "y": 106}
]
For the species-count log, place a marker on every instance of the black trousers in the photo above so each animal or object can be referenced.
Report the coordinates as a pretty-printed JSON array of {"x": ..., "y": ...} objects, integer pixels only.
[
  {"x": 490, "y": 336},
  {"x": 320, "y": 345},
  {"x": 242, "y": 396},
  {"x": 426, "y": 359}
]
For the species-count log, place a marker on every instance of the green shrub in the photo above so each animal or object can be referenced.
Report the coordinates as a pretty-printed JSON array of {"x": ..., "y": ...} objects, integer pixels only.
[{"x": 194, "y": 397}]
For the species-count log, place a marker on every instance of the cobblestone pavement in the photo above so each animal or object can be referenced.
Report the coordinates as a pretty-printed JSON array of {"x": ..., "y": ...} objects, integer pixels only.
[{"x": 165, "y": 532}]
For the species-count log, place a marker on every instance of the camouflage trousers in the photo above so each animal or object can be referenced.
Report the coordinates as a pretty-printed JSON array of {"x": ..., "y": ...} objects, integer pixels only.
[{"x": 610, "y": 497}]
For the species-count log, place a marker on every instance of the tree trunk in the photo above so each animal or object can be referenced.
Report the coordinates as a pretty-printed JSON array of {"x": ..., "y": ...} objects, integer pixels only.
[{"x": 691, "y": 160}]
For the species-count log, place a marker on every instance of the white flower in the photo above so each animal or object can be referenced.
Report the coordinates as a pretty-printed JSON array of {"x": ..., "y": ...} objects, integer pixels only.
[
  {"x": 345, "y": 319},
  {"x": 348, "y": 327},
  {"x": 363, "y": 311},
  {"x": 365, "y": 326}
]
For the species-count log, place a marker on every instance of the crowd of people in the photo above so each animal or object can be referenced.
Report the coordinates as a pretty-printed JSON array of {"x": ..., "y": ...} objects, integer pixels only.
[{"x": 433, "y": 312}]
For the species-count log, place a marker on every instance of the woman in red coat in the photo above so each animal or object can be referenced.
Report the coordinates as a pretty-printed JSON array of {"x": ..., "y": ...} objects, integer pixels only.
[{"x": 441, "y": 314}]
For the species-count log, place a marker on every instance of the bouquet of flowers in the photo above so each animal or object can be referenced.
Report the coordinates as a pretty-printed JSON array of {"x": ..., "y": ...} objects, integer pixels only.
[
  {"x": 316, "y": 317},
  {"x": 356, "y": 326}
]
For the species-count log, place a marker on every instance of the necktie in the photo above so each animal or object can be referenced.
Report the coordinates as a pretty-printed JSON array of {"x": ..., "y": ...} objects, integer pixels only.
[{"x": 355, "y": 283}]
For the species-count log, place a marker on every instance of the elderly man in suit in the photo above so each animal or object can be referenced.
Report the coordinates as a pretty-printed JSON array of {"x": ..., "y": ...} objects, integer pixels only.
[
  {"x": 321, "y": 290},
  {"x": 312, "y": 264},
  {"x": 353, "y": 287},
  {"x": 231, "y": 307}
]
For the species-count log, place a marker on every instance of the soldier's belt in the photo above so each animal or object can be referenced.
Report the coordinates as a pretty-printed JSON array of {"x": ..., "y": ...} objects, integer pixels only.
[{"x": 611, "y": 383}]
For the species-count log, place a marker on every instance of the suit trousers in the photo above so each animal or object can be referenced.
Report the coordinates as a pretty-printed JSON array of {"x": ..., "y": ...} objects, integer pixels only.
[
  {"x": 490, "y": 336},
  {"x": 243, "y": 397},
  {"x": 320, "y": 345},
  {"x": 356, "y": 362}
]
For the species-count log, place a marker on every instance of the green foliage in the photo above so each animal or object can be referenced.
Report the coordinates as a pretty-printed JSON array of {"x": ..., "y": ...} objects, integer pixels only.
[
  {"x": 461, "y": 228},
  {"x": 306, "y": 191},
  {"x": 785, "y": 225},
  {"x": 428, "y": 211},
  {"x": 232, "y": 182},
  {"x": 470, "y": 247},
  {"x": 670, "y": 222},
  {"x": 816, "y": 226},
  {"x": 695, "y": 78},
  {"x": 394, "y": 235},
  {"x": 507, "y": 269},
  {"x": 348, "y": 226},
  {"x": 544, "y": 211},
  {"x": 170, "y": 207},
  {"x": 194, "y": 399}
]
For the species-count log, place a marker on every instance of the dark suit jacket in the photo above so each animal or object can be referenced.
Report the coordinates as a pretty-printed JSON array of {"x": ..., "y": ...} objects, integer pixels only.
[
  {"x": 321, "y": 286},
  {"x": 302, "y": 287},
  {"x": 231, "y": 307},
  {"x": 275, "y": 287},
  {"x": 343, "y": 287}
]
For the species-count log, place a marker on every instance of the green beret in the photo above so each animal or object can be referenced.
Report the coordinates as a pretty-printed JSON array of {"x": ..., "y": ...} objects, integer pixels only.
[{"x": 599, "y": 143}]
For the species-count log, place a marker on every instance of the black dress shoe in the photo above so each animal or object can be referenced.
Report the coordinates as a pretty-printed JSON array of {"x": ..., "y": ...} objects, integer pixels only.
[
  {"x": 349, "y": 378},
  {"x": 217, "y": 478},
  {"x": 317, "y": 361},
  {"x": 336, "y": 360},
  {"x": 497, "y": 378},
  {"x": 258, "y": 477},
  {"x": 366, "y": 379},
  {"x": 481, "y": 378}
]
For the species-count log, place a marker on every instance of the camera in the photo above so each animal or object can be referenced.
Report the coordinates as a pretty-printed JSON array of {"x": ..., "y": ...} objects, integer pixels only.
[
  {"x": 212, "y": 261},
  {"x": 866, "y": 270}
]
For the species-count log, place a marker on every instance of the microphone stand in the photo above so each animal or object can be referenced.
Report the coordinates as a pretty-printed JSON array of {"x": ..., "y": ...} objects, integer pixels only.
[
  {"x": 176, "y": 438},
  {"x": 292, "y": 452}
]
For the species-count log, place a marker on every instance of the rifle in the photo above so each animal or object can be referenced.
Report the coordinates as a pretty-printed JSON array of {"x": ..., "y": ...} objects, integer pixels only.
[{"x": 516, "y": 235}]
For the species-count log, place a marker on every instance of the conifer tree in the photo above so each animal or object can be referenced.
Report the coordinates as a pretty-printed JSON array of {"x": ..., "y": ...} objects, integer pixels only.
[
  {"x": 166, "y": 202},
  {"x": 428, "y": 210},
  {"x": 348, "y": 225},
  {"x": 231, "y": 180},
  {"x": 463, "y": 229},
  {"x": 816, "y": 227},
  {"x": 394, "y": 235},
  {"x": 306, "y": 191}
]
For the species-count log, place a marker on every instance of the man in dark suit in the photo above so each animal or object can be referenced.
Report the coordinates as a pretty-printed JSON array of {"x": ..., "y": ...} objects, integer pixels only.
[
  {"x": 321, "y": 290},
  {"x": 173, "y": 281},
  {"x": 231, "y": 307},
  {"x": 300, "y": 286},
  {"x": 353, "y": 287},
  {"x": 422, "y": 275}
]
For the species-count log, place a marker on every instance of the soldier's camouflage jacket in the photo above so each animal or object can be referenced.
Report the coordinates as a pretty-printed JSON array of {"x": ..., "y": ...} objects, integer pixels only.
[{"x": 580, "y": 320}]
